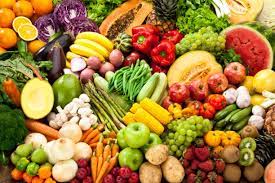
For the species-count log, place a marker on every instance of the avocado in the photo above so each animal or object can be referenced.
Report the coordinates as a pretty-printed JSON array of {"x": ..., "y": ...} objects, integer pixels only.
[{"x": 66, "y": 88}]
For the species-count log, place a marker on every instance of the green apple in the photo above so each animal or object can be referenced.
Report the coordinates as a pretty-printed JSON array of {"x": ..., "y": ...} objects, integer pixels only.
[
  {"x": 121, "y": 139},
  {"x": 131, "y": 158},
  {"x": 136, "y": 135},
  {"x": 14, "y": 158},
  {"x": 24, "y": 150},
  {"x": 154, "y": 139},
  {"x": 39, "y": 156}
]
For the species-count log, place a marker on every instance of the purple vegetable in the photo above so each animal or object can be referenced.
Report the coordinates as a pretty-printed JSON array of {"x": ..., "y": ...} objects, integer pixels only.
[
  {"x": 116, "y": 58},
  {"x": 94, "y": 63},
  {"x": 106, "y": 66},
  {"x": 47, "y": 26},
  {"x": 86, "y": 75}
]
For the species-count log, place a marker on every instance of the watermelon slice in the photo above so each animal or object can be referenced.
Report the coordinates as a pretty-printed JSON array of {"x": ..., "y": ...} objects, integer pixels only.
[{"x": 255, "y": 50}]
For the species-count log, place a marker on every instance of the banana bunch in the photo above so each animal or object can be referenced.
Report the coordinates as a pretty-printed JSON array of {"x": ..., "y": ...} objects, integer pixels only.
[{"x": 89, "y": 44}]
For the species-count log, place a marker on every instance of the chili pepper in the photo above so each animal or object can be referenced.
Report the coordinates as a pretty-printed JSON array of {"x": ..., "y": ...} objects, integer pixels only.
[
  {"x": 146, "y": 28},
  {"x": 195, "y": 105},
  {"x": 144, "y": 42},
  {"x": 32, "y": 169},
  {"x": 207, "y": 111},
  {"x": 175, "y": 110},
  {"x": 164, "y": 54},
  {"x": 217, "y": 101},
  {"x": 22, "y": 164},
  {"x": 173, "y": 35},
  {"x": 157, "y": 68}
]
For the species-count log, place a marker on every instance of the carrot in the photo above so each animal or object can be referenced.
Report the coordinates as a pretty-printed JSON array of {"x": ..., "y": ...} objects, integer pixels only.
[
  {"x": 39, "y": 127},
  {"x": 92, "y": 135},
  {"x": 45, "y": 171},
  {"x": 107, "y": 140},
  {"x": 99, "y": 164},
  {"x": 93, "y": 145},
  {"x": 94, "y": 162},
  {"x": 12, "y": 91},
  {"x": 35, "y": 71},
  {"x": 49, "y": 180},
  {"x": 112, "y": 134},
  {"x": 36, "y": 179},
  {"x": 27, "y": 178},
  {"x": 95, "y": 139},
  {"x": 86, "y": 133},
  {"x": 115, "y": 149},
  {"x": 16, "y": 174},
  {"x": 106, "y": 152},
  {"x": 99, "y": 147},
  {"x": 49, "y": 138},
  {"x": 113, "y": 162},
  {"x": 103, "y": 170}
]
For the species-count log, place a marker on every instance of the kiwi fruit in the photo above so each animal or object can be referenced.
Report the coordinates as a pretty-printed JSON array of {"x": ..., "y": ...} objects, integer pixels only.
[
  {"x": 249, "y": 143},
  {"x": 231, "y": 154},
  {"x": 246, "y": 157},
  {"x": 253, "y": 172},
  {"x": 232, "y": 173}
]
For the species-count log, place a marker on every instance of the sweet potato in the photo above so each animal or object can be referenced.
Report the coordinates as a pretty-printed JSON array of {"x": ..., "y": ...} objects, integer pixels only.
[
  {"x": 149, "y": 173},
  {"x": 157, "y": 154},
  {"x": 172, "y": 170}
]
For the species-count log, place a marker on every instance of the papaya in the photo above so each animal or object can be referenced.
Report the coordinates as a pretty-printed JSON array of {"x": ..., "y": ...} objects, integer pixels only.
[
  {"x": 128, "y": 15},
  {"x": 193, "y": 65}
]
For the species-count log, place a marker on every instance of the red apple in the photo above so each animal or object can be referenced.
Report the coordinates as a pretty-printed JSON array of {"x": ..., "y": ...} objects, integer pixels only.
[
  {"x": 217, "y": 83},
  {"x": 166, "y": 102},
  {"x": 235, "y": 73},
  {"x": 179, "y": 92},
  {"x": 198, "y": 90}
]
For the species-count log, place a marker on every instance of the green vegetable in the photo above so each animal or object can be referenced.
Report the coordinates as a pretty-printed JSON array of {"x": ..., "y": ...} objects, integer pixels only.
[
  {"x": 184, "y": 5},
  {"x": 148, "y": 89},
  {"x": 238, "y": 126},
  {"x": 22, "y": 164},
  {"x": 228, "y": 127},
  {"x": 220, "y": 124},
  {"x": 228, "y": 56},
  {"x": 223, "y": 113},
  {"x": 4, "y": 160},
  {"x": 241, "y": 115},
  {"x": 32, "y": 169},
  {"x": 229, "y": 116}
]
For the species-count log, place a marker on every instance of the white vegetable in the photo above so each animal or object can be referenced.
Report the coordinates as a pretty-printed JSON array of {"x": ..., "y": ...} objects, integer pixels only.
[
  {"x": 53, "y": 124},
  {"x": 51, "y": 116},
  {"x": 48, "y": 149},
  {"x": 258, "y": 111},
  {"x": 84, "y": 111},
  {"x": 71, "y": 131},
  {"x": 82, "y": 151},
  {"x": 64, "y": 171},
  {"x": 268, "y": 103},
  {"x": 93, "y": 119},
  {"x": 268, "y": 94},
  {"x": 230, "y": 95},
  {"x": 69, "y": 107},
  {"x": 74, "y": 119},
  {"x": 36, "y": 139},
  {"x": 85, "y": 123},
  {"x": 84, "y": 98},
  {"x": 78, "y": 102},
  {"x": 78, "y": 64},
  {"x": 63, "y": 149},
  {"x": 243, "y": 99},
  {"x": 256, "y": 121}
]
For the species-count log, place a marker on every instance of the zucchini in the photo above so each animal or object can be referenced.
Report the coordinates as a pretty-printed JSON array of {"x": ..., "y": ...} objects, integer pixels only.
[
  {"x": 149, "y": 87},
  {"x": 100, "y": 82},
  {"x": 220, "y": 124},
  {"x": 160, "y": 89},
  {"x": 223, "y": 113},
  {"x": 228, "y": 127},
  {"x": 228, "y": 117},
  {"x": 238, "y": 126},
  {"x": 241, "y": 115}
]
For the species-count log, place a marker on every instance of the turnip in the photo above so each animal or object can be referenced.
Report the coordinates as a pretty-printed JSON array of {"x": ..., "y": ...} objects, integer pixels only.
[
  {"x": 86, "y": 75},
  {"x": 82, "y": 151},
  {"x": 94, "y": 63},
  {"x": 63, "y": 149},
  {"x": 71, "y": 131},
  {"x": 64, "y": 171},
  {"x": 36, "y": 139},
  {"x": 116, "y": 58},
  {"x": 107, "y": 66},
  {"x": 78, "y": 64}
]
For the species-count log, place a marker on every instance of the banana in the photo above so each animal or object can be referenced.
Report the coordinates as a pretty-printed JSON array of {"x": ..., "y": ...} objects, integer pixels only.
[
  {"x": 96, "y": 37},
  {"x": 148, "y": 88},
  {"x": 93, "y": 45},
  {"x": 86, "y": 52},
  {"x": 71, "y": 55},
  {"x": 161, "y": 87}
]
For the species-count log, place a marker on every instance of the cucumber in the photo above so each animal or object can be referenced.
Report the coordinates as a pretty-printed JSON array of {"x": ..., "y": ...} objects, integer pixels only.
[
  {"x": 149, "y": 87},
  {"x": 223, "y": 113},
  {"x": 220, "y": 124},
  {"x": 228, "y": 127},
  {"x": 100, "y": 82},
  {"x": 227, "y": 118},
  {"x": 160, "y": 89},
  {"x": 241, "y": 115},
  {"x": 238, "y": 126}
]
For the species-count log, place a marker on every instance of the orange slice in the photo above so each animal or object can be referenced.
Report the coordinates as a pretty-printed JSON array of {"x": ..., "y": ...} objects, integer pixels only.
[
  {"x": 28, "y": 32},
  {"x": 18, "y": 21}
]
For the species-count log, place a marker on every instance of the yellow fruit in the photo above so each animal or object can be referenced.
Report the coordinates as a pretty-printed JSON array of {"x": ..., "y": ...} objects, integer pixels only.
[
  {"x": 35, "y": 45},
  {"x": 28, "y": 32},
  {"x": 264, "y": 80},
  {"x": 18, "y": 21},
  {"x": 248, "y": 83},
  {"x": 257, "y": 99}
]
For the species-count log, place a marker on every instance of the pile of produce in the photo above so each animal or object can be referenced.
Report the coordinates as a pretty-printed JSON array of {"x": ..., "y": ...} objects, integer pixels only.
[{"x": 129, "y": 91}]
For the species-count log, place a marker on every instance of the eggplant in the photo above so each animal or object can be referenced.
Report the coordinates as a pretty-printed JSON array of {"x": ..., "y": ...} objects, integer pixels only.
[
  {"x": 64, "y": 40},
  {"x": 57, "y": 56}
]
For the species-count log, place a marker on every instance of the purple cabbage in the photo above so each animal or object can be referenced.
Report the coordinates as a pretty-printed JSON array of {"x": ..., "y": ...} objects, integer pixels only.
[{"x": 47, "y": 26}]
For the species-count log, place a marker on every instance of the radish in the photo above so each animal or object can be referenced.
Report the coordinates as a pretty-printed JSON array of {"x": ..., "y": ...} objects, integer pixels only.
[
  {"x": 78, "y": 64},
  {"x": 94, "y": 63},
  {"x": 86, "y": 75},
  {"x": 107, "y": 66},
  {"x": 116, "y": 58}
]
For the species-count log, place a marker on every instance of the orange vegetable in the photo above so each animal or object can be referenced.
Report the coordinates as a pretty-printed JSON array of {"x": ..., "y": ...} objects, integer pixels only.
[
  {"x": 39, "y": 127},
  {"x": 112, "y": 134},
  {"x": 106, "y": 152},
  {"x": 49, "y": 180},
  {"x": 36, "y": 179},
  {"x": 92, "y": 135},
  {"x": 231, "y": 138},
  {"x": 113, "y": 162},
  {"x": 99, "y": 148},
  {"x": 103, "y": 170},
  {"x": 85, "y": 134},
  {"x": 99, "y": 164},
  {"x": 49, "y": 138},
  {"x": 16, "y": 174},
  {"x": 45, "y": 171},
  {"x": 115, "y": 149},
  {"x": 27, "y": 178},
  {"x": 212, "y": 138},
  {"x": 94, "y": 162},
  {"x": 12, "y": 91},
  {"x": 96, "y": 139}
]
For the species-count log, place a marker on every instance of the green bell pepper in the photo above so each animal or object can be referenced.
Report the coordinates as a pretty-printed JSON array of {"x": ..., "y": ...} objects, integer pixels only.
[
  {"x": 32, "y": 169},
  {"x": 22, "y": 164}
]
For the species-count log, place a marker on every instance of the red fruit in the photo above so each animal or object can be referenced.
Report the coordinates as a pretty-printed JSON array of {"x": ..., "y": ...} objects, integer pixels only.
[
  {"x": 134, "y": 178},
  {"x": 198, "y": 90},
  {"x": 219, "y": 179},
  {"x": 207, "y": 111},
  {"x": 220, "y": 166},
  {"x": 82, "y": 163},
  {"x": 217, "y": 83},
  {"x": 178, "y": 92},
  {"x": 191, "y": 178},
  {"x": 189, "y": 154},
  {"x": 217, "y": 101},
  {"x": 194, "y": 164},
  {"x": 109, "y": 179},
  {"x": 195, "y": 105},
  {"x": 206, "y": 166},
  {"x": 202, "y": 153},
  {"x": 125, "y": 172},
  {"x": 235, "y": 73},
  {"x": 202, "y": 175},
  {"x": 74, "y": 181},
  {"x": 131, "y": 59},
  {"x": 185, "y": 163},
  {"x": 157, "y": 68},
  {"x": 81, "y": 173},
  {"x": 166, "y": 102},
  {"x": 189, "y": 170},
  {"x": 88, "y": 170},
  {"x": 87, "y": 180},
  {"x": 119, "y": 179},
  {"x": 115, "y": 171}
]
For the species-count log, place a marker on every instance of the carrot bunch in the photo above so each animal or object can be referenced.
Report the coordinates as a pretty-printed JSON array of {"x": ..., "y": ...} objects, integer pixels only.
[{"x": 103, "y": 160}]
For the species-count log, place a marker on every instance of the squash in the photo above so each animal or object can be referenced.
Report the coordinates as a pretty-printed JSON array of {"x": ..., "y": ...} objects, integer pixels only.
[
  {"x": 231, "y": 138},
  {"x": 217, "y": 152},
  {"x": 193, "y": 65},
  {"x": 212, "y": 138},
  {"x": 130, "y": 14}
]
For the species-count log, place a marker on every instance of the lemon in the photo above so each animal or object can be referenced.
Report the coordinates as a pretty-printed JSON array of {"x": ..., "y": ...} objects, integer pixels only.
[
  {"x": 264, "y": 80},
  {"x": 257, "y": 99},
  {"x": 28, "y": 32},
  {"x": 248, "y": 83},
  {"x": 18, "y": 21}
]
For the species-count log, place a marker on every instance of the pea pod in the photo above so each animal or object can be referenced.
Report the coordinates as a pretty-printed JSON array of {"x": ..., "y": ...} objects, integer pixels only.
[
  {"x": 238, "y": 126},
  {"x": 228, "y": 117},
  {"x": 226, "y": 111},
  {"x": 220, "y": 124},
  {"x": 241, "y": 115}
]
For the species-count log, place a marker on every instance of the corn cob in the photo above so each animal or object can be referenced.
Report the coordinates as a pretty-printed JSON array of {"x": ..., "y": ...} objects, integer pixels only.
[
  {"x": 128, "y": 118},
  {"x": 135, "y": 107}
]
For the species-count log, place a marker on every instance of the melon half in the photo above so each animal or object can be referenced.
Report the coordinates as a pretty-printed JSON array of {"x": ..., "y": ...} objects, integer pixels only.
[{"x": 255, "y": 50}]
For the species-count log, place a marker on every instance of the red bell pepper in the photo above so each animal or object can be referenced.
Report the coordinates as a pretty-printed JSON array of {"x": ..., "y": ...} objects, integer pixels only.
[
  {"x": 164, "y": 54},
  {"x": 217, "y": 101},
  {"x": 174, "y": 36},
  {"x": 144, "y": 42},
  {"x": 146, "y": 28},
  {"x": 157, "y": 68},
  {"x": 207, "y": 111},
  {"x": 195, "y": 105}
]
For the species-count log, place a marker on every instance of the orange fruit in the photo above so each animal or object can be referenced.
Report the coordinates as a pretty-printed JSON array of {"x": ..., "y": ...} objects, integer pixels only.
[
  {"x": 23, "y": 8},
  {"x": 18, "y": 21},
  {"x": 28, "y": 32},
  {"x": 42, "y": 7},
  {"x": 6, "y": 17},
  {"x": 8, "y": 38},
  {"x": 7, "y": 3},
  {"x": 2, "y": 50},
  {"x": 35, "y": 45}
]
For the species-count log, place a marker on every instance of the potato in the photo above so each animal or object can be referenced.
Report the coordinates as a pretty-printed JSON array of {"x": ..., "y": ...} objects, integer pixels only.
[
  {"x": 149, "y": 173},
  {"x": 157, "y": 154},
  {"x": 172, "y": 170}
]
